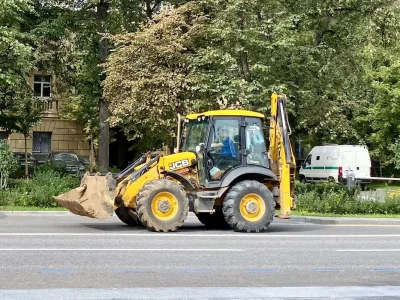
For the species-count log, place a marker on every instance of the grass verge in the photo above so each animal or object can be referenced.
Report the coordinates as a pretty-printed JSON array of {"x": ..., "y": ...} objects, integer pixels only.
[
  {"x": 312, "y": 214},
  {"x": 30, "y": 208}
]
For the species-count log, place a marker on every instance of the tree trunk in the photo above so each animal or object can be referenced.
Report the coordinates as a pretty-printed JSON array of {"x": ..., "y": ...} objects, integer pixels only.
[
  {"x": 91, "y": 157},
  {"x": 104, "y": 128},
  {"x": 26, "y": 159},
  {"x": 149, "y": 11}
]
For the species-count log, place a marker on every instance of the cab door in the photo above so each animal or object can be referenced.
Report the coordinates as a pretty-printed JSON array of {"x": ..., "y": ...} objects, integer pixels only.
[{"x": 223, "y": 147}]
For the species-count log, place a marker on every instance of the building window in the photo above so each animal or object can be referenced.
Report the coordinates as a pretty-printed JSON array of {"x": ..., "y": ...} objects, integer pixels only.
[
  {"x": 42, "y": 85},
  {"x": 3, "y": 135},
  {"x": 41, "y": 142}
]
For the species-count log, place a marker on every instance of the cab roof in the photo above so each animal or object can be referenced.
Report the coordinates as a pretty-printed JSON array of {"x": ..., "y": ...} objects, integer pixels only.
[{"x": 226, "y": 112}]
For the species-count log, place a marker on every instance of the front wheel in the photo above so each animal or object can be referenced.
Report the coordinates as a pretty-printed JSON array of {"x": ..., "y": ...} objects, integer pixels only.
[
  {"x": 162, "y": 205},
  {"x": 249, "y": 207}
]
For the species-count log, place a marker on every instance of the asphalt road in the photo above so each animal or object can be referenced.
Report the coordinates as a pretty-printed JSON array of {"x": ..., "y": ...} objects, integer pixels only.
[{"x": 93, "y": 259}]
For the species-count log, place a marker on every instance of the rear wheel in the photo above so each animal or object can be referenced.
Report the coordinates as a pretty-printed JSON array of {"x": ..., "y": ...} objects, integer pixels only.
[
  {"x": 127, "y": 216},
  {"x": 215, "y": 220},
  {"x": 162, "y": 205},
  {"x": 303, "y": 179},
  {"x": 249, "y": 207}
]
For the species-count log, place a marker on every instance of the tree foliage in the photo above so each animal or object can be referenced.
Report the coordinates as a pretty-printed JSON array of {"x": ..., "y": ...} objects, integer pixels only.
[
  {"x": 148, "y": 77},
  {"x": 336, "y": 60},
  {"x": 314, "y": 51},
  {"x": 16, "y": 59}
]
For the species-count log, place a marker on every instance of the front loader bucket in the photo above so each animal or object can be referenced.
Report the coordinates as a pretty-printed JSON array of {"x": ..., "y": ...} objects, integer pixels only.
[{"x": 94, "y": 198}]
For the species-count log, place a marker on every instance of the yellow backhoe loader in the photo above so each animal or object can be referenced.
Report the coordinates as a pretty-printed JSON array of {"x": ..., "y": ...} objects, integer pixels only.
[{"x": 221, "y": 171}]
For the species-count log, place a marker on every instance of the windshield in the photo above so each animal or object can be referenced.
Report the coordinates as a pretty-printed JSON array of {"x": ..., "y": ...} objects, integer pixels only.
[
  {"x": 65, "y": 157},
  {"x": 194, "y": 134}
]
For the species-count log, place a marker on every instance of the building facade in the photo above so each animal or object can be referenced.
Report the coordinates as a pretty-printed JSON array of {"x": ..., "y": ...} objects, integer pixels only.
[{"x": 52, "y": 133}]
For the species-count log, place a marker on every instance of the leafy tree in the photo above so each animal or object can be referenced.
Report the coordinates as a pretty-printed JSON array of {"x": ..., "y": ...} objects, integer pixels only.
[
  {"x": 74, "y": 42},
  {"x": 385, "y": 113},
  {"x": 310, "y": 50},
  {"x": 29, "y": 114},
  {"x": 16, "y": 59},
  {"x": 148, "y": 75}
]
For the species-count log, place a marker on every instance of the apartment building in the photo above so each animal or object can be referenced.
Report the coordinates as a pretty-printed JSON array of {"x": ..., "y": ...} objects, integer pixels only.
[{"x": 52, "y": 133}]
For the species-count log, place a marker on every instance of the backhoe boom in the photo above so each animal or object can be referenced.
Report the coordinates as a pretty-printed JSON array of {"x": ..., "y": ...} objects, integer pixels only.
[{"x": 283, "y": 162}]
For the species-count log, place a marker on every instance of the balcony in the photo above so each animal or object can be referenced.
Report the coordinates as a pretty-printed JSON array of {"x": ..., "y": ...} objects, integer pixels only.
[{"x": 50, "y": 108}]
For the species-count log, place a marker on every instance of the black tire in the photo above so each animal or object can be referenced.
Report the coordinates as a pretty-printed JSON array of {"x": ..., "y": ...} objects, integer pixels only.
[
  {"x": 213, "y": 221},
  {"x": 232, "y": 201},
  {"x": 303, "y": 179},
  {"x": 144, "y": 205},
  {"x": 127, "y": 216}
]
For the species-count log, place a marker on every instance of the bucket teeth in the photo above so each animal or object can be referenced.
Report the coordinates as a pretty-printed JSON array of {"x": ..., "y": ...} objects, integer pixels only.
[{"x": 94, "y": 198}]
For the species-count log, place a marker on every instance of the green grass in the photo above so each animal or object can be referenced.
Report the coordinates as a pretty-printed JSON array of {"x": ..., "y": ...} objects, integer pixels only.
[
  {"x": 30, "y": 208},
  {"x": 384, "y": 185}
]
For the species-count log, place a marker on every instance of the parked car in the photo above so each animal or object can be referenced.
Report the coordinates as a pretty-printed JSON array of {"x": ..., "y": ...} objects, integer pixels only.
[
  {"x": 85, "y": 160},
  {"x": 32, "y": 162},
  {"x": 332, "y": 162},
  {"x": 69, "y": 160}
]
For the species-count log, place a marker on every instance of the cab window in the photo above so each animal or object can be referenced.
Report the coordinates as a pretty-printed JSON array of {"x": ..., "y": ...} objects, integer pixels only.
[
  {"x": 194, "y": 133},
  {"x": 255, "y": 143}
]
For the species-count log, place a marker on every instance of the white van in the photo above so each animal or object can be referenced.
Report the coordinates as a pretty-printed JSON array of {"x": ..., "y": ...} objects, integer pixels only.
[{"x": 330, "y": 163}]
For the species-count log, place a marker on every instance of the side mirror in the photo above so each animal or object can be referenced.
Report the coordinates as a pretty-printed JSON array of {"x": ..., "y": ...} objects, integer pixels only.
[{"x": 200, "y": 147}]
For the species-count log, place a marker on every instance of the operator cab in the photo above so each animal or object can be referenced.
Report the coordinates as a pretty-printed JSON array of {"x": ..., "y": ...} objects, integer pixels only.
[{"x": 224, "y": 141}]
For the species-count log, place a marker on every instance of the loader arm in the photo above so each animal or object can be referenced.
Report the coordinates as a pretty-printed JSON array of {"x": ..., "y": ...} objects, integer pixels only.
[{"x": 283, "y": 162}]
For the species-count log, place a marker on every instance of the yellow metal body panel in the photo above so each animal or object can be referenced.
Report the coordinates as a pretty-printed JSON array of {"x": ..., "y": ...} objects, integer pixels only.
[
  {"x": 132, "y": 189},
  {"x": 226, "y": 112},
  {"x": 175, "y": 162}
]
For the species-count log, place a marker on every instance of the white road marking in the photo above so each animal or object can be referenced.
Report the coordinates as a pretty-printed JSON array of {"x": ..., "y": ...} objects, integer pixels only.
[
  {"x": 364, "y": 225},
  {"x": 117, "y": 249},
  {"x": 216, "y": 235},
  {"x": 175, "y": 293},
  {"x": 368, "y": 250}
]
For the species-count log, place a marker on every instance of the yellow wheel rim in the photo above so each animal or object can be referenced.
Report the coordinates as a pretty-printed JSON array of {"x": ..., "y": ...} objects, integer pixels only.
[
  {"x": 252, "y": 207},
  {"x": 164, "y": 206}
]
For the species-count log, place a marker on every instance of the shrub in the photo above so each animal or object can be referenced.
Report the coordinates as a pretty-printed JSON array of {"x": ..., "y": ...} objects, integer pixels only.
[
  {"x": 51, "y": 167},
  {"x": 8, "y": 163},
  {"x": 323, "y": 188},
  {"x": 328, "y": 198},
  {"x": 39, "y": 191}
]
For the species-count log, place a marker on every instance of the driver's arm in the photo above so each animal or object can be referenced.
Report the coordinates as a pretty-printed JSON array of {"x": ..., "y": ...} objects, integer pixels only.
[{"x": 216, "y": 145}]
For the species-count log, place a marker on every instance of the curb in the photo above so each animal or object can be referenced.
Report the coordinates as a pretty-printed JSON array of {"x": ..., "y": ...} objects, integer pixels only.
[
  {"x": 301, "y": 219},
  {"x": 346, "y": 220},
  {"x": 36, "y": 213}
]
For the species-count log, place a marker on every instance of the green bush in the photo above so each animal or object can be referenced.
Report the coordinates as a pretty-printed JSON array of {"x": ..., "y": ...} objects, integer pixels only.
[
  {"x": 39, "y": 190},
  {"x": 51, "y": 167},
  {"x": 336, "y": 199},
  {"x": 8, "y": 163},
  {"x": 323, "y": 188}
]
